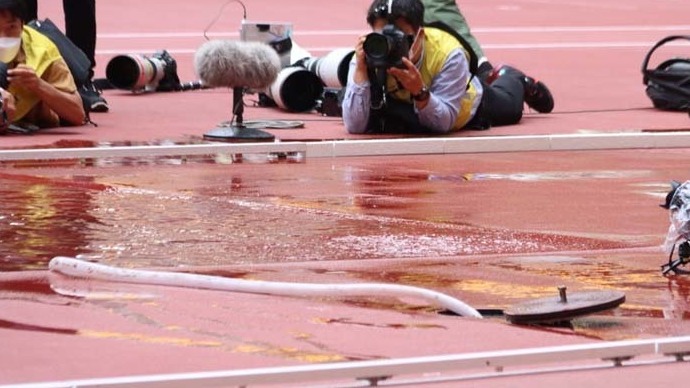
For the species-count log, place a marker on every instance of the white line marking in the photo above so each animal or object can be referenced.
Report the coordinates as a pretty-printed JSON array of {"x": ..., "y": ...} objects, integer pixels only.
[
  {"x": 497, "y": 46},
  {"x": 484, "y": 30},
  {"x": 379, "y": 147}
]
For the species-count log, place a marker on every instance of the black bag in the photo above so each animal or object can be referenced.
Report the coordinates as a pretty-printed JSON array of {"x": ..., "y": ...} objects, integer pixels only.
[
  {"x": 77, "y": 61},
  {"x": 668, "y": 85}
]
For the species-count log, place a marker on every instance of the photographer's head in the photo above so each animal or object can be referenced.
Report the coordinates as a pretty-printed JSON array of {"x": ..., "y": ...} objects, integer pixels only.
[
  {"x": 411, "y": 12},
  {"x": 12, "y": 15},
  {"x": 401, "y": 21}
]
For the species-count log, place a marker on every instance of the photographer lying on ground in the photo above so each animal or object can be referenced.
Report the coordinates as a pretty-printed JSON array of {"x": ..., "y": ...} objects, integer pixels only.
[
  {"x": 407, "y": 78},
  {"x": 41, "y": 91}
]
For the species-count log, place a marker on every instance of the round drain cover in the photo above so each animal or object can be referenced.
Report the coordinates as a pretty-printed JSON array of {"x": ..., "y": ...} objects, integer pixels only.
[
  {"x": 563, "y": 307},
  {"x": 238, "y": 134},
  {"x": 273, "y": 124}
]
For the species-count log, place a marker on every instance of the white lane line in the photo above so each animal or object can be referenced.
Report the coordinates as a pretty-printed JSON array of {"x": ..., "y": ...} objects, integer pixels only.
[
  {"x": 484, "y": 30},
  {"x": 498, "y": 46},
  {"x": 378, "y": 147}
]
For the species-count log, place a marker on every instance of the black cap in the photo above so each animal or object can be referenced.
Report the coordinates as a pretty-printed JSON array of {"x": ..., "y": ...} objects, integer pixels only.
[{"x": 16, "y": 7}]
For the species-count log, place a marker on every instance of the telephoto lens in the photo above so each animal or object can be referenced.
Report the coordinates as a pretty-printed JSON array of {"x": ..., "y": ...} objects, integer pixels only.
[
  {"x": 376, "y": 46},
  {"x": 386, "y": 48},
  {"x": 137, "y": 73}
]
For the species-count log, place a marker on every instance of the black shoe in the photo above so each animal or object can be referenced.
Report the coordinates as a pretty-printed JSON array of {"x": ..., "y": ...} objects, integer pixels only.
[
  {"x": 484, "y": 71},
  {"x": 537, "y": 95},
  {"x": 92, "y": 99}
]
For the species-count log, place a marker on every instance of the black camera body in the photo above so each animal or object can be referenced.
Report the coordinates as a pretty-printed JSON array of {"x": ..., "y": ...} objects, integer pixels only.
[
  {"x": 386, "y": 48},
  {"x": 170, "y": 80}
]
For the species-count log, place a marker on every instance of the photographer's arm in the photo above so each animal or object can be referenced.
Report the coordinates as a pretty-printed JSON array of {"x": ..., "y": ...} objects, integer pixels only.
[
  {"x": 357, "y": 98},
  {"x": 439, "y": 110},
  {"x": 66, "y": 104},
  {"x": 447, "y": 90},
  {"x": 8, "y": 106}
]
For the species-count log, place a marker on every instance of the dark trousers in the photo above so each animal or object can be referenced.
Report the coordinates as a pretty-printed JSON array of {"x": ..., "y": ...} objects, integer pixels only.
[
  {"x": 80, "y": 24},
  {"x": 503, "y": 100}
]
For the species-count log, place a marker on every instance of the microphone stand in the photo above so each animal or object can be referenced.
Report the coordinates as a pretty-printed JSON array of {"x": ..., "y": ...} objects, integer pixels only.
[{"x": 235, "y": 131}]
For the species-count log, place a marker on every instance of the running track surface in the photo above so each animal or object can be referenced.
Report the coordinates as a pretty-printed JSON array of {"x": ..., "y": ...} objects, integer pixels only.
[{"x": 589, "y": 53}]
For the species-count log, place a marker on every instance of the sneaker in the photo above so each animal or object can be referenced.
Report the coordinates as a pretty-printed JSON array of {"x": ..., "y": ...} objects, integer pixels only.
[
  {"x": 92, "y": 99},
  {"x": 537, "y": 95},
  {"x": 484, "y": 71}
]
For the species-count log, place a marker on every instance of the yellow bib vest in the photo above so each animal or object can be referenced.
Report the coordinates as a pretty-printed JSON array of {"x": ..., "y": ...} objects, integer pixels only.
[
  {"x": 438, "y": 45},
  {"x": 40, "y": 52}
]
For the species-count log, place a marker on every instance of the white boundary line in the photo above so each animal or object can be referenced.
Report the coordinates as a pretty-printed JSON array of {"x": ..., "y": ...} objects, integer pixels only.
[
  {"x": 354, "y": 32},
  {"x": 378, "y": 147},
  {"x": 496, "y": 46},
  {"x": 615, "y": 352}
]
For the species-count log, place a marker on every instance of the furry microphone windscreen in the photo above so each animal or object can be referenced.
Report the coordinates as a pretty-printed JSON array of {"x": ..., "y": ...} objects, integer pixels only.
[{"x": 252, "y": 65}]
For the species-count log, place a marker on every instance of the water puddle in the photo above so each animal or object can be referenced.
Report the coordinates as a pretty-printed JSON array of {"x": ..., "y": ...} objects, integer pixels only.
[
  {"x": 504, "y": 229},
  {"x": 153, "y": 215}
]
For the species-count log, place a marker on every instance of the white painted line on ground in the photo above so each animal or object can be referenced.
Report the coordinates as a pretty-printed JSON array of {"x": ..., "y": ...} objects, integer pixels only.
[
  {"x": 377, "y": 147},
  {"x": 497, "y": 46},
  {"x": 678, "y": 29}
]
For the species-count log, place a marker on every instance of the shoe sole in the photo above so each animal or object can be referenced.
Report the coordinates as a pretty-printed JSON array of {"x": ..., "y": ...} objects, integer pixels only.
[{"x": 99, "y": 108}]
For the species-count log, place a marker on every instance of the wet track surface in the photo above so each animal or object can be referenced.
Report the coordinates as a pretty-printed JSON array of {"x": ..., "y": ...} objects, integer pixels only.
[
  {"x": 493, "y": 230},
  {"x": 359, "y": 208},
  {"x": 467, "y": 225}
]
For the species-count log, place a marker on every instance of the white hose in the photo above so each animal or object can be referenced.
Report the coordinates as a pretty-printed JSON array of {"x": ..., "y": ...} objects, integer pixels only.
[{"x": 84, "y": 269}]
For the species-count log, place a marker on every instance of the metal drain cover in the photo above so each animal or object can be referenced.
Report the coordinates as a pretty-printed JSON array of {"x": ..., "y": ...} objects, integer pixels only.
[{"x": 563, "y": 307}]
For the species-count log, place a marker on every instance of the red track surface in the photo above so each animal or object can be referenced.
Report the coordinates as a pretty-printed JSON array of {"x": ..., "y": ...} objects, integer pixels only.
[{"x": 589, "y": 53}]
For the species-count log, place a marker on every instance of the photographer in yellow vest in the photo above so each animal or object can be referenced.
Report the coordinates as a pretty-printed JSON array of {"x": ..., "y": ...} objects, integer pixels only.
[
  {"x": 410, "y": 77},
  {"x": 40, "y": 90}
]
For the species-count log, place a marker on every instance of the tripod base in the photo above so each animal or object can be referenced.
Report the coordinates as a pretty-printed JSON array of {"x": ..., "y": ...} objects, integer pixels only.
[{"x": 238, "y": 134}]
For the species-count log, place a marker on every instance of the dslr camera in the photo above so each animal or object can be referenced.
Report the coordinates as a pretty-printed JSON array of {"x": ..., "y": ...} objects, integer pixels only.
[
  {"x": 136, "y": 72},
  {"x": 4, "y": 122},
  {"x": 386, "y": 48}
]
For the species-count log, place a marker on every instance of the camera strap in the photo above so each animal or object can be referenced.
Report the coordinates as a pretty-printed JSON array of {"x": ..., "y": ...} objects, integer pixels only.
[
  {"x": 377, "y": 86},
  {"x": 388, "y": 114}
]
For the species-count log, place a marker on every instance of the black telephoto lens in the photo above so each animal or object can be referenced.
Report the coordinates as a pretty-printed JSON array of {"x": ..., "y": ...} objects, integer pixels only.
[{"x": 376, "y": 45}]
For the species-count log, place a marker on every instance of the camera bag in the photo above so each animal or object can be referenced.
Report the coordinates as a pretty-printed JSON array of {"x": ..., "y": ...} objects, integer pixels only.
[{"x": 668, "y": 85}]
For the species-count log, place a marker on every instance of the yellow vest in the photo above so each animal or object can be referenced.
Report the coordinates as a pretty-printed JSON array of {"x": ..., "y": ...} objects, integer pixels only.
[
  {"x": 437, "y": 46},
  {"x": 40, "y": 52}
]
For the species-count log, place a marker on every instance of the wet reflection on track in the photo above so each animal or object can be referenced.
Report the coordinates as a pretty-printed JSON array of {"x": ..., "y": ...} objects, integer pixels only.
[{"x": 495, "y": 238}]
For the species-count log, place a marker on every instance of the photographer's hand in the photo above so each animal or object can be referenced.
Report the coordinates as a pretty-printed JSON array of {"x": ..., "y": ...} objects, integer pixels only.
[
  {"x": 361, "y": 74},
  {"x": 68, "y": 106},
  {"x": 410, "y": 78},
  {"x": 8, "y": 108},
  {"x": 25, "y": 77}
]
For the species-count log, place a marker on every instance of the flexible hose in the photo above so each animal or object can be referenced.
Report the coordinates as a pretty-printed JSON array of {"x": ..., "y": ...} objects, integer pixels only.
[{"x": 84, "y": 269}]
